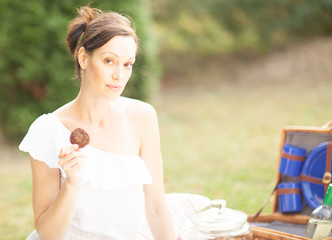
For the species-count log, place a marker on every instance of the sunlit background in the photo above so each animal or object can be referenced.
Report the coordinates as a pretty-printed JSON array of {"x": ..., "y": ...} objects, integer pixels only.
[{"x": 225, "y": 77}]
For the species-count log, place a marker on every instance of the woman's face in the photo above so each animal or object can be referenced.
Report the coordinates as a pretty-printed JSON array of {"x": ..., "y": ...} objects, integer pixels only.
[{"x": 108, "y": 68}]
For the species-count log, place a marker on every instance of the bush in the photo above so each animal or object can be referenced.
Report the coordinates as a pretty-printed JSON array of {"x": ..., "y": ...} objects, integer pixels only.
[
  {"x": 36, "y": 69},
  {"x": 275, "y": 22},
  {"x": 226, "y": 26}
]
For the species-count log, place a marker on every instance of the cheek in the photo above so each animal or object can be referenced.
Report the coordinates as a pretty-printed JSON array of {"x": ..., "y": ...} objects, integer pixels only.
[
  {"x": 97, "y": 71},
  {"x": 128, "y": 74}
]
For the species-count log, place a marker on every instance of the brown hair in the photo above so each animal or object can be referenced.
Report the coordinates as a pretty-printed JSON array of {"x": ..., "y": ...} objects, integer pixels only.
[{"x": 93, "y": 28}]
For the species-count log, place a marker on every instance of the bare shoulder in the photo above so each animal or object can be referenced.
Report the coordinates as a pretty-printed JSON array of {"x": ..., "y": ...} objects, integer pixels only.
[
  {"x": 139, "y": 109},
  {"x": 64, "y": 110}
]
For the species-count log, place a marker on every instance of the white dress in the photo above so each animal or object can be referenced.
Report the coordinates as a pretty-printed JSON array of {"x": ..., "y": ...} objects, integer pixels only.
[{"x": 110, "y": 203}]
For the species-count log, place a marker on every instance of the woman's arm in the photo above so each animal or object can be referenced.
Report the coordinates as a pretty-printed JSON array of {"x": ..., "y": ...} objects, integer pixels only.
[
  {"x": 157, "y": 212},
  {"x": 54, "y": 206}
]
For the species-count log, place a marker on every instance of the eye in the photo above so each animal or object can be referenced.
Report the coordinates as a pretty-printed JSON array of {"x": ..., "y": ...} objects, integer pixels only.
[
  {"x": 129, "y": 65},
  {"x": 108, "y": 61}
]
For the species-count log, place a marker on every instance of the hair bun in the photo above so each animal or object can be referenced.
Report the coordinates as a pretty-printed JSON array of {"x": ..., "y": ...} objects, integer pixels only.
[
  {"x": 79, "y": 25},
  {"x": 87, "y": 14}
]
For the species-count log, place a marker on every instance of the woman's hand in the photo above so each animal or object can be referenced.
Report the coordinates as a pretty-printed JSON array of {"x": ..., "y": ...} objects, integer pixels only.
[{"x": 71, "y": 160}]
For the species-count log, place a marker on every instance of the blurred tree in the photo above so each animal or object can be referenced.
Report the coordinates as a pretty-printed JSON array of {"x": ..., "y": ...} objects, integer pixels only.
[
  {"x": 219, "y": 26},
  {"x": 36, "y": 69},
  {"x": 275, "y": 22}
]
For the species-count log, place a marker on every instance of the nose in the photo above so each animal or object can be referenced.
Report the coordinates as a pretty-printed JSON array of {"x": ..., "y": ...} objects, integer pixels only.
[{"x": 117, "y": 75}]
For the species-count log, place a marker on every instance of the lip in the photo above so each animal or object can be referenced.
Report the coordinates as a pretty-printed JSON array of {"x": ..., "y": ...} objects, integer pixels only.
[{"x": 114, "y": 86}]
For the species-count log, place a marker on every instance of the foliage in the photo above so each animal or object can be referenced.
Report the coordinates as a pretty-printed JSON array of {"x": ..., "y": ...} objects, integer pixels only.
[
  {"x": 275, "y": 21},
  {"x": 219, "y": 26},
  {"x": 36, "y": 69}
]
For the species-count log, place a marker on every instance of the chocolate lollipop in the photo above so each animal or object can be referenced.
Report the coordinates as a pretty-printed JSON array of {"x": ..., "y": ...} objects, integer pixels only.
[{"x": 79, "y": 137}]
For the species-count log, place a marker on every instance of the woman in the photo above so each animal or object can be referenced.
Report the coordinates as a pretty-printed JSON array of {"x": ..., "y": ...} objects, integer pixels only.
[{"x": 96, "y": 192}]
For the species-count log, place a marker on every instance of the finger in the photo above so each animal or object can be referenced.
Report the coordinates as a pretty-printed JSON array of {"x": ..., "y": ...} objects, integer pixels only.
[
  {"x": 70, "y": 157},
  {"x": 65, "y": 150},
  {"x": 72, "y": 164},
  {"x": 65, "y": 156},
  {"x": 79, "y": 157},
  {"x": 80, "y": 163}
]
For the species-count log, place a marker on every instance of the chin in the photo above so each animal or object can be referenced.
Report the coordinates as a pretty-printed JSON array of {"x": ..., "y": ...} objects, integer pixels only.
[{"x": 113, "y": 97}]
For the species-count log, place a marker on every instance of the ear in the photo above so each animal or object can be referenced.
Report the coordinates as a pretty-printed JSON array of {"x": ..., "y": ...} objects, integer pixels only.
[{"x": 82, "y": 57}]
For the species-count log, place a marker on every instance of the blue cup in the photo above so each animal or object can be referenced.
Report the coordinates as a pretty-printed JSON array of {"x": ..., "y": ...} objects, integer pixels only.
[
  {"x": 292, "y": 159},
  {"x": 289, "y": 196}
]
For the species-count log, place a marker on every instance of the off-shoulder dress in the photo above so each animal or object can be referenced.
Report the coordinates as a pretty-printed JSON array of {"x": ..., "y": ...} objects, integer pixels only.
[{"x": 110, "y": 203}]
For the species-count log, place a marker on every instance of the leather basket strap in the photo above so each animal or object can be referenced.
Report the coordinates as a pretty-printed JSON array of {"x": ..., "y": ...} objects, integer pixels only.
[
  {"x": 326, "y": 180},
  {"x": 311, "y": 179},
  {"x": 267, "y": 200},
  {"x": 282, "y": 191},
  {"x": 293, "y": 157}
]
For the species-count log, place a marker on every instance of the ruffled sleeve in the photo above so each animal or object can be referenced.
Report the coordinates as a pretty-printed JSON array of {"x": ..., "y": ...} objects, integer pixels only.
[{"x": 44, "y": 140}]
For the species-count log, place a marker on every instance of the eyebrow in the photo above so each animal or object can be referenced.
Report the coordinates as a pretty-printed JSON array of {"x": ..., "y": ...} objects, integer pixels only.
[{"x": 116, "y": 55}]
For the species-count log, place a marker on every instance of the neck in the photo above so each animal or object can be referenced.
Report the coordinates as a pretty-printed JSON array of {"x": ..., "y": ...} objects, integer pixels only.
[{"x": 93, "y": 110}]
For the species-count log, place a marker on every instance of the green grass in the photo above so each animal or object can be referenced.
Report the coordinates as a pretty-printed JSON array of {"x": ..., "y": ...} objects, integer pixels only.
[
  {"x": 224, "y": 143},
  {"x": 16, "y": 216},
  {"x": 221, "y": 143}
]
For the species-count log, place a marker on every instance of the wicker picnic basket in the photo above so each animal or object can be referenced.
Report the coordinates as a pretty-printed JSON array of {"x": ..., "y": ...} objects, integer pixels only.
[{"x": 283, "y": 226}]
